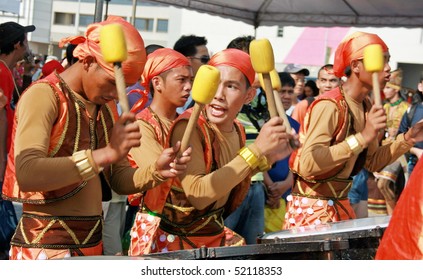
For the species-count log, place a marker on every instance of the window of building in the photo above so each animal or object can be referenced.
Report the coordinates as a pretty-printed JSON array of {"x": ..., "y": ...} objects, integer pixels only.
[
  {"x": 85, "y": 20},
  {"x": 280, "y": 31},
  {"x": 64, "y": 18},
  {"x": 162, "y": 25},
  {"x": 144, "y": 24}
]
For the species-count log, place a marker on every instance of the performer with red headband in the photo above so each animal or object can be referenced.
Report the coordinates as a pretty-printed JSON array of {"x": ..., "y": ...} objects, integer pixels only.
[
  {"x": 70, "y": 147},
  {"x": 339, "y": 137},
  {"x": 192, "y": 209},
  {"x": 168, "y": 75}
]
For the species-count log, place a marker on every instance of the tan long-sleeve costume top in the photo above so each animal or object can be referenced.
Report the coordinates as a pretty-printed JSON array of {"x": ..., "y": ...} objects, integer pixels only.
[
  {"x": 55, "y": 131},
  {"x": 322, "y": 202},
  {"x": 154, "y": 132},
  {"x": 61, "y": 212},
  {"x": 151, "y": 147},
  {"x": 36, "y": 171},
  {"x": 319, "y": 156},
  {"x": 204, "y": 189}
]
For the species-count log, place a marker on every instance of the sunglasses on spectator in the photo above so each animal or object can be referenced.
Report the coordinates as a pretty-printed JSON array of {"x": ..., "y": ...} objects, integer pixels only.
[{"x": 204, "y": 58}]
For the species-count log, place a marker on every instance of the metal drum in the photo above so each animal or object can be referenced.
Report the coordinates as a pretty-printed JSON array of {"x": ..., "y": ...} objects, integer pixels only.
[
  {"x": 362, "y": 237},
  {"x": 279, "y": 251},
  {"x": 353, "y": 239}
]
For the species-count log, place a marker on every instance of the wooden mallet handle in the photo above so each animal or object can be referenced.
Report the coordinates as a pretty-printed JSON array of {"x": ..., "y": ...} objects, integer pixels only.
[
  {"x": 262, "y": 59},
  {"x": 121, "y": 87},
  {"x": 277, "y": 85},
  {"x": 268, "y": 89},
  {"x": 190, "y": 126}
]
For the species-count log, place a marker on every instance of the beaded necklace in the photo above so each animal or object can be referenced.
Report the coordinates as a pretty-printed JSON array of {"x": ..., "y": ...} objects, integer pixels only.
[{"x": 396, "y": 102}]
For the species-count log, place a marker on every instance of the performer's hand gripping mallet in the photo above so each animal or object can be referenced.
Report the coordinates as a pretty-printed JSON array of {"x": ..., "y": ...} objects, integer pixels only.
[
  {"x": 374, "y": 62},
  {"x": 263, "y": 62},
  {"x": 203, "y": 90},
  {"x": 113, "y": 48}
]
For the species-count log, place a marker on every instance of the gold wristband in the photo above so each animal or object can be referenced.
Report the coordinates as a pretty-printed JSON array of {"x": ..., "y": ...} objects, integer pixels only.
[
  {"x": 354, "y": 145},
  {"x": 264, "y": 164},
  {"x": 97, "y": 169},
  {"x": 249, "y": 157},
  {"x": 83, "y": 164}
]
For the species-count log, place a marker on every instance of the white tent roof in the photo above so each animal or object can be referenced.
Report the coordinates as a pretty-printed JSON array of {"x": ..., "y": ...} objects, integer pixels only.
[{"x": 359, "y": 13}]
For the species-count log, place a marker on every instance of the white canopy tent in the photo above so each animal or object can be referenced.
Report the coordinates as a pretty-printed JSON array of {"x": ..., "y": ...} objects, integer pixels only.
[{"x": 358, "y": 13}]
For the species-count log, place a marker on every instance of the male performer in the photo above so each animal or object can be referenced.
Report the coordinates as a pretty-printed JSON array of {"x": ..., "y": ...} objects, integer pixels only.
[
  {"x": 168, "y": 76},
  {"x": 69, "y": 149},
  {"x": 191, "y": 211},
  {"x": 340, "y": 137}
]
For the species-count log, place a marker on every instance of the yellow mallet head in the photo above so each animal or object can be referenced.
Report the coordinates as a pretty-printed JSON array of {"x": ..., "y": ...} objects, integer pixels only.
[
  {"x": 205, "y": 84},
  {"x": 261, "y": 53},
  {"x": 373, "y": 58},
  {"x": 113, "y": 43},
  {"x": 274, "y": 78}
]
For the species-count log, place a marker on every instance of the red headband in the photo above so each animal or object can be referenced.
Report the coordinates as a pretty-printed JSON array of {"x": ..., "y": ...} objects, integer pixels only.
[
  {"x": 160, "y": 61},
  {"x": 237, "y": 59},
  {"x": 351, "y": 48},
  {"x": 90, "y": 46}
]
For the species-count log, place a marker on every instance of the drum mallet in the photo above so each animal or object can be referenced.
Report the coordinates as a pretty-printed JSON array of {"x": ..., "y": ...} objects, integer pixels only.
[
  {"x": 263, "y": 62},
  {"x": 113, "y": 48},
  {"x": 203, "y": 90},
  {"x": 276, "y": 86},
  {"x": 373, "y": 62}
]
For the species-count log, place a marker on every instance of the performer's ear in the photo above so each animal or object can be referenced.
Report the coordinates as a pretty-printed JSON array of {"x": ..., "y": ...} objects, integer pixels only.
[
  {"x": 251, "y": 93},
  {"x": 355, "y": 66},
  {"x": 157, "y": 83}
]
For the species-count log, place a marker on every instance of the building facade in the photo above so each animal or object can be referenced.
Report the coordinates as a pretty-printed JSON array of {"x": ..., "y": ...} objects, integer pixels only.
[{"x": 163, "y": 25}]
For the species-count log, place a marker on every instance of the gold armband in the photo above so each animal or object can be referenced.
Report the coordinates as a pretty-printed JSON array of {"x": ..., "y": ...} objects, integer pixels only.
[
  {"x": 264, "y": 164},
  {"x": 354, "y": 145},
  {"x": 249, "y": 157},
  {"x": 83, "y": 164}
]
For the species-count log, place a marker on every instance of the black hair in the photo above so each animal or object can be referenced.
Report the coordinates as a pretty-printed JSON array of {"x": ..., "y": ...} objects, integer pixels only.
[
  {"x": 69, "y": 54},
  {"x": 312, "y": 84},
  {"x": 10, "y": 47},
  {"x": 152, "y": 47},
  {"x": 286, "y": 79},
  {"x": 241, "y": 43},
  {"x": 187, "y": 44}
]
